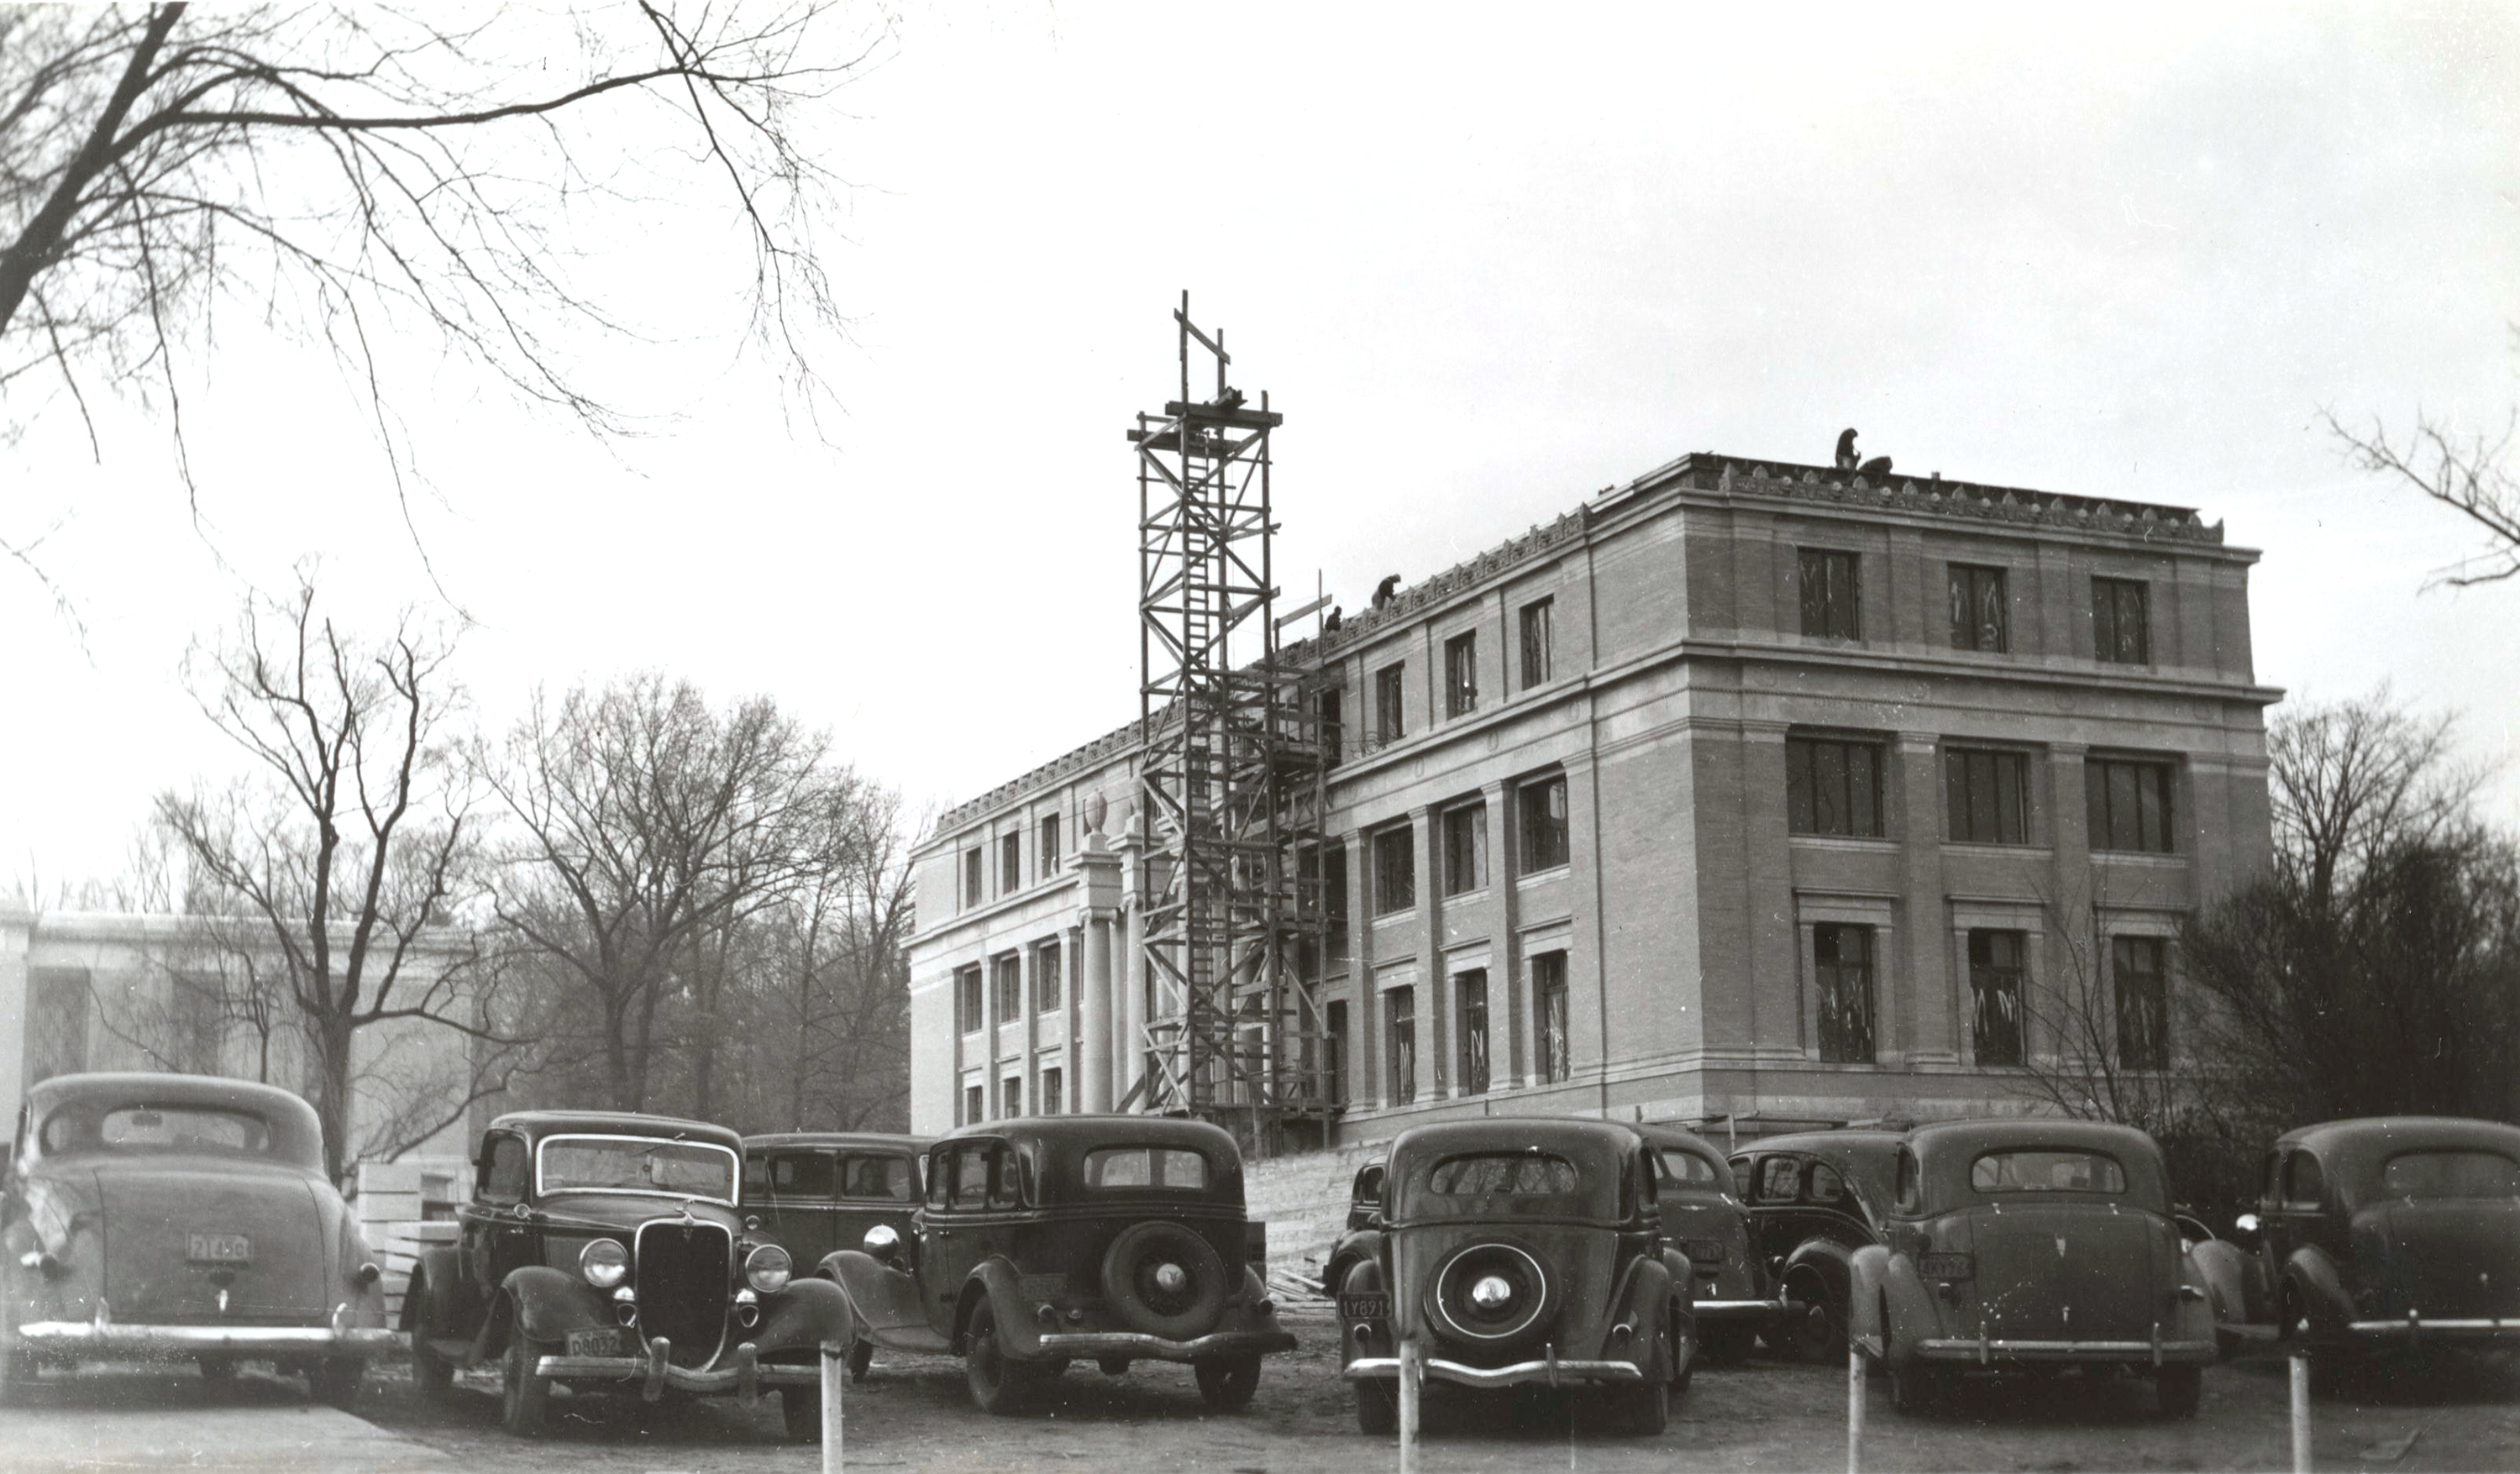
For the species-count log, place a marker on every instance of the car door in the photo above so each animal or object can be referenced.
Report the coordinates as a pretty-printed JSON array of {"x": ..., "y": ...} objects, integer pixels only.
[
  {"x": 800, "y": 1181},
  {"x": 955, "y": 1230},
  {"x": 495, "y": 1237}
]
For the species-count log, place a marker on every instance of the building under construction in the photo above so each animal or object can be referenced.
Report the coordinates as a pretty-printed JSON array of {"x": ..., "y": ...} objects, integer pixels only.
[{"x": 1757, "y": 792}]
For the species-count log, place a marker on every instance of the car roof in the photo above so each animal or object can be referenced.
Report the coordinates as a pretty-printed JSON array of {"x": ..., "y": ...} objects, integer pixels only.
[
  {"x": 1850, "y": 1140},
  {"x": 297, "y": 1135},
  {"x": 1118, "y": 1127},
  {"x": 539, "y": 1124},
  {"x": 2404, "y": 1131},
  {"x": 1946, "y": 1151},
  {"x": 1671, "y": 1134},
  {"x": 894, "y": 1140}
]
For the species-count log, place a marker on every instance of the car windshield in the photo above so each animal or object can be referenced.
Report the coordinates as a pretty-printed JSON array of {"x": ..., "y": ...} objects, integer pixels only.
[
  {"x": 1145, "y": 1167},
  {"x": 631, "y": 1164},
  {"x": 155, "y": 1128},
  {"x": 2047, "y": 1171},
  {"x": 2450, "y": 1174}
]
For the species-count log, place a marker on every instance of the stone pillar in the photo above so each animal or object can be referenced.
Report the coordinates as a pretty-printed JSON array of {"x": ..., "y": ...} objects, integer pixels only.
[
  {"x": 1097, "y": 1048},
  {"x": 16, "y": 934},
  {"x": 1916, "y": 1021}
]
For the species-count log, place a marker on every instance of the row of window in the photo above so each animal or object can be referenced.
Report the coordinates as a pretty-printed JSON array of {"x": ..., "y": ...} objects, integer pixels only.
[
  {"x": 1844, "y": 965},
  {"x": 1833, "y": 786},
  {"x": 1540, "y": 826},
  {"x": 1472, "y": 1058},
  {"x": 1001, "y": 1000},
  {"x": 1981, "y": 607},
  {"x": 1011, "y": 1098},
  {"x": 1537, "y": 659},
  {"x": 1049, "y": 857}
]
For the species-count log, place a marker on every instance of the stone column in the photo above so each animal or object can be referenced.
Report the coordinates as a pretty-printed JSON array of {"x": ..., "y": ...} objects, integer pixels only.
[
  {"x": 1096, "y": 1047},
  {"x": 1914, "y": 1007},
  {"x": 16, "y": 934}
]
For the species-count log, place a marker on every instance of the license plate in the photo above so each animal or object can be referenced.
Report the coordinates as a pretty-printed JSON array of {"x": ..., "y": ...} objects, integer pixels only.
[
  {"x": 1364, "y": 1307},
  {"x": 602, "y": 1341},
  {"x": 218, "y": 1248}
]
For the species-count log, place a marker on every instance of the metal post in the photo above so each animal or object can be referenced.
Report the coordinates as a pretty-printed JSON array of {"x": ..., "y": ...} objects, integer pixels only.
[
  {"x": 835, "y": 1360},
  {"x": 1411, "y": 1370},
  {"x": 2300, "y": 1412},
  {"x": 1853, "y": 1408}
]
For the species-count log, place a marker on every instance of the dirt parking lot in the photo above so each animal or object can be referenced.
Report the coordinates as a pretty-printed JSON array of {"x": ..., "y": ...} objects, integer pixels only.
[{"x": 911, "y": 1413}]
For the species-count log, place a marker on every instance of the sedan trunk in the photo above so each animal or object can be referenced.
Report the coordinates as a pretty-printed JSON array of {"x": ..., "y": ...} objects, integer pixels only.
[
  {"x": 2452, "y": 1259},
  {"x": 177, "y": 1233},
  {"x": 2066, "y": 1272}
]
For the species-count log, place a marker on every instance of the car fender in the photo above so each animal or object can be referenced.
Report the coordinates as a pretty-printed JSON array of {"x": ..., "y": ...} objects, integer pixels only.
[
  {"x": 2234, "y": 1283},
  {"x": 430, "y": 1302},
  {"x": 1868, "y": 1271},
  {"x": 810, "y": 1313},
  {"x": 2323, "y": 1297},
  {"x": 1644, "y": 1300},
  {"x": 1018, "y": 1333},
  {"x": 1355, "y": 1245},
  {"x": 884, "y": 1302},
  {"x": 1363, "y": 1335},
  {"x": 1830, "y": 1260},
  {"x": 547, "y": 1303}
]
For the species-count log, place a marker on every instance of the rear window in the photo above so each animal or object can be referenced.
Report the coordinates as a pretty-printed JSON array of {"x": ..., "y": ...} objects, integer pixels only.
[
  {"x": 1515, "y": 1173},
  {"x": 1690, "y": 1170},
  {"x": 876, "y": 1179},
  {"x": 1116, "y": 1167},
  {"x": 2046, "y": 1171},
  {"x": 2450, "y": 1174},
  {"x": 157, "y": 1127}
]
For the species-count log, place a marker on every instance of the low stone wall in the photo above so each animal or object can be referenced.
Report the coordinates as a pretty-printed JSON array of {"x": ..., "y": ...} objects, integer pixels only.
[{"x": 1303, "y": 1199}]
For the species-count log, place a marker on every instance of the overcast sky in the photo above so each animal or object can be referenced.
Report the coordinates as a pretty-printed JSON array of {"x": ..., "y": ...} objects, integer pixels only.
[{"x": 1485, "y": 264}]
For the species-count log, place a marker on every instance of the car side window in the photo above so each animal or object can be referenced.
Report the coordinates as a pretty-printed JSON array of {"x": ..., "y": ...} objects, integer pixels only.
[
  {"x": 2302, "y": 1186},
  {"x": 940, "y": 1176},
  {"x": 505, "y": 1175},
  {"x": 1005, "y": 1181},
  {"x": 971, "y": 1176},
  {"x": 801, "y": 1175},
  {"x": 1781, "y": 1180},
  {"x": 1827, "y": 1186},
  {"x": 1911, "y": 1183},
  {"x": 756, "y": 1176},
  {"x": 876, "y": 1179},
  {"x": 2269, "y": 1181}
]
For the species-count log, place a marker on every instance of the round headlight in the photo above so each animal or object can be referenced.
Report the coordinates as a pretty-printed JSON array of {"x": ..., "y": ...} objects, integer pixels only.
[
  {"x": 767, "y": 1268},
  {"x": 881, "y": 1240},
  {"x": 604, "y": 1262}
]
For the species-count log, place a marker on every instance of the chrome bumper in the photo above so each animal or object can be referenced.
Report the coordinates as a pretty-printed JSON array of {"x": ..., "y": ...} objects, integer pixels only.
[
  {"x": 1985, "y": 1350},
  {"x": 743, "y": 1374},
  {"x": 2449, "y": 1329},
  {"x": 1131, "y": 1343},
  {"x": 105, "y": 1336},
  {"x": 1738, "y": 1310},
  {"x": 1552, "y": 1372}
]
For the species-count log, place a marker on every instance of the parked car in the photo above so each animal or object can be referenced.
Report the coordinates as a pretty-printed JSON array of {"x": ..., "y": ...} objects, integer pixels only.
[
  {"x": 1730, "y": 1291},
  {"x": 1814, "y": 1198},
  {"x": 2032, "y": 1243},
  {"x": 602, "y": 1251},
  {"x": 1364, "y": 1227},
  {"x": 1122, "y": 1238},
  {"x": 174, "y": 1217},
  {"x": 813, "y": 1192},
  {"x": 2383, "y": 1232},
  {"x": 1521, "y": 1251}
]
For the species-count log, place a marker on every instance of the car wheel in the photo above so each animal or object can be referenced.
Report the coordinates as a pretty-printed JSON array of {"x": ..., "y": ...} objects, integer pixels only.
[
  {"x": 1113, "y": 1366},
  {"x": 1378, "y": 1408},
  {"x": 2178, "y": 1389},
  {"x": 861, "y": 1357},
  {"x": 999, "y": 1383},
  {"x": 433, "y": 1376},
  {"x": 1817, "y": 1331},
  {"x": 1228, "y": 1382},
  {"x": 1644, "y": 1409},
  {"x": 1915, "y": 1388},
  {"x": 1686, "y": 1353},
  {"x": 525, "y": 1394},
  {"x": 1727, "y": 1345},
  {"x": 800, "y": 1409},
  {"x": 1163, "y": 1279},
  {"x": 336, "y": 1382}
]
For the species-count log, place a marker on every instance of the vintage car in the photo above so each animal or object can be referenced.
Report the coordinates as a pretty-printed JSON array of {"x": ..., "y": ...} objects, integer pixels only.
[
  {"x": 1364, "y": 1227},
  {"x": 602, "y": 1251},
  {"x": 1814, "y": 1198},
  {"x": 2032, "y": 1244},
  {"x": 1731, "y": 1293},
  {"x": 1521, "y": 1251},
  {"x": 2378, "y": 1233},
  {"x": 181, "y": 1217},
  {"x": 813, "y": 1192},
  {"x": 1122, "y": 1238}
]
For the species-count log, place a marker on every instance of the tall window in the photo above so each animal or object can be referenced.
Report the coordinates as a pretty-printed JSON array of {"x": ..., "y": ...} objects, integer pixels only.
[
  {"x": 1388, "y": 713},
  {"x": 2142, "y": 980},
  {"x": 1832, "y": 787},
  {"x": 971, "y": 1106},
  {"x": 1046, "y": 962},
  {"x": 1830, "y": 607},
  {"x": 1395, "y": 869},
  {"x": 968, "y": 1012},
  {"x": 1010, "y": 864},
  {"x": 972, "y": 879},
  {"x": 1842, "y": 962},
  {"x": 1995, "y": 996},
  {"x": 1010, "y": 1096},
  {"x": 1981, "y": 617},
  {"x": 2127, "y": 803},
  {"x": 1400, "y": 1045},
  {"x": 1334, "y": 897},
  {"x": 2121, "y": 621},
  {"x": 1049, "y": 846},
  {"x": 1539, "y": 813},
  {"x": 1471, "y": 996},
  {"x": 1988, "y": 794},
  {"x": 1462, "y": 674},
  {"x": 1333, "y": 711},
  {"x": 1006, "y": 980},
  {"x": 1548, "y": 1055},
  {"x": 1539, "y": 641},
  {"x": 1335, "y": 1024},
  {"x": 1465, "y": 848},
  {"x": 1054, "y": 1091}
]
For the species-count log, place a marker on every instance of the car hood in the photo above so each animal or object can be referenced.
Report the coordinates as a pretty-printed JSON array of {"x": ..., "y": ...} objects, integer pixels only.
[
  {"x": 621, "y": 1213},
  {"x": 172, "y": 1231},
  {"x": 2446, "y": 1259}
]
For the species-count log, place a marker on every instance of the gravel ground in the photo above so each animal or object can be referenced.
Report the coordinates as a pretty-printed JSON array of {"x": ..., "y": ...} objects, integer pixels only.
[{"x": 912, "y": 1412}]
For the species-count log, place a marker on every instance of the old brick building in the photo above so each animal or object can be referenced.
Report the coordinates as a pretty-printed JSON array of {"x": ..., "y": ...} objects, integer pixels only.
[{"x": 1746, "y": 789}]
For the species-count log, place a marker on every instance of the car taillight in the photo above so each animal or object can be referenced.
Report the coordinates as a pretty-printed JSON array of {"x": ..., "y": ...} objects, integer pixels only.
[{"x": 1946, "y": 1266}]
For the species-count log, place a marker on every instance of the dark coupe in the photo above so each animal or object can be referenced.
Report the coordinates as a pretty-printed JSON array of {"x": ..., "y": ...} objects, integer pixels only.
[
  {"x": 1814, "y": 1198},
  {"x": 181, "y": 1217},
  {"x": 1519, "y": 1252},
  {"x": 1122, "y": 1238},
  {"x": 814, "y": 1192},
  {"x": 602, "y": 1251},
  {"x": 1731, "y": 1294}
]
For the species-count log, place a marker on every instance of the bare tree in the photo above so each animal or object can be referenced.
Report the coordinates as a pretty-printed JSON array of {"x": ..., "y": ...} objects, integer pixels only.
[
  {"x": 353, "y": 174},
  {"x": 2093, "y": 1035},
  {"x": 2470, "y": 473},
  {"x": 345, "y": 843},
  {"x": 650, "y": 829}
]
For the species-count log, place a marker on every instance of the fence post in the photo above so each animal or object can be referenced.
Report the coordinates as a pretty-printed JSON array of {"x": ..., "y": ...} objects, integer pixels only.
[
  {"x": 835, "y": 1360},
  {"x": 1412, "y": 1360},
  {"x": 2300, "y": 1361},
  {"x": 1853, "y": 1406}
]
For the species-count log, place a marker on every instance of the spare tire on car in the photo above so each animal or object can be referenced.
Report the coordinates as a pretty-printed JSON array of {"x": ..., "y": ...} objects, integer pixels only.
[{"x": 1163, "y": 1279}]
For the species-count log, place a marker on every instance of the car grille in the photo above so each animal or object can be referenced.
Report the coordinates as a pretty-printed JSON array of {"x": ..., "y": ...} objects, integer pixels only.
[{"x": 684, "y": 1273}]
